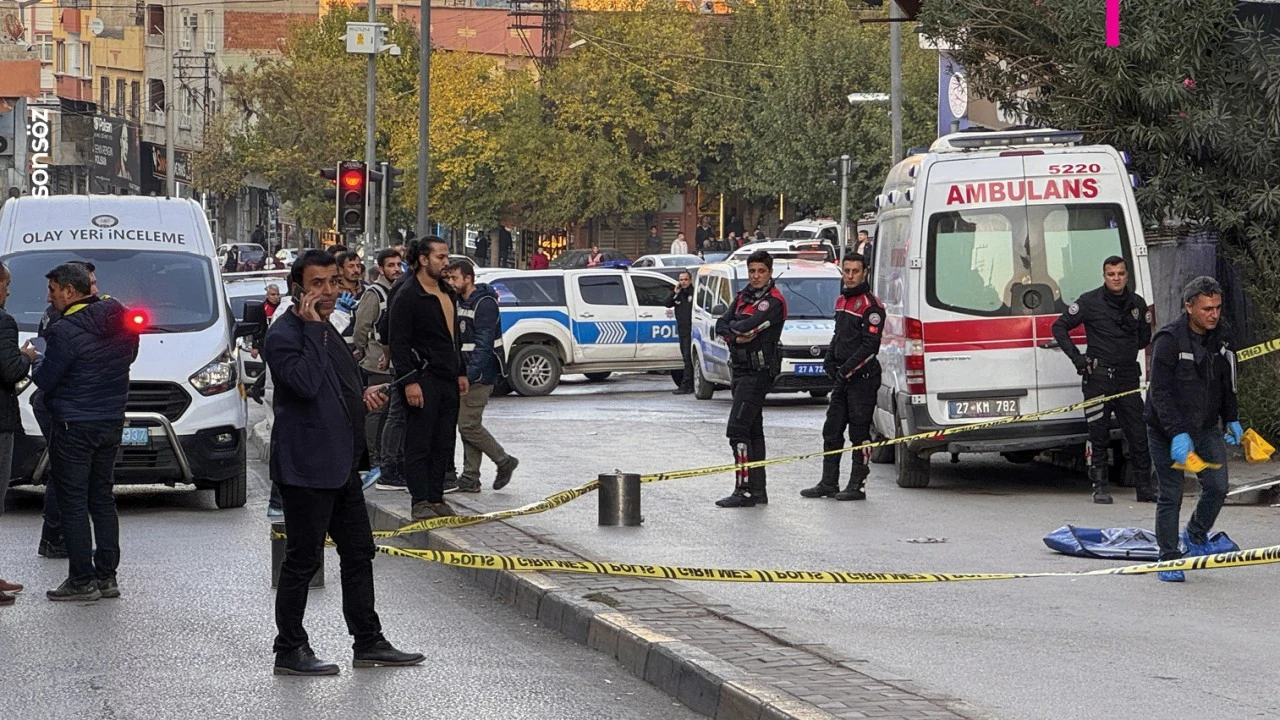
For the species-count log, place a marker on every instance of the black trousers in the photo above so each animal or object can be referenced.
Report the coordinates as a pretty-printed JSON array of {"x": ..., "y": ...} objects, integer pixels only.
[
  {"x": 686, "y": 354},
  {"x": 1128, "y": 411},
  {"x": 52, "y": 528},
  {"x": 745, "y": 429},
  {"x": 431, "y": 433},
  {"x": 82, "y": 458},
  {"x": 310, "y": 514},
  {"x": 852, "y": 403}
]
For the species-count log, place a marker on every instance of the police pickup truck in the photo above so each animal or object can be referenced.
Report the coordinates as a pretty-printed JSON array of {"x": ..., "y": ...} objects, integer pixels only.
[
  {"x": 592, "y": 321},
  {"x": 810, "y": 289}
]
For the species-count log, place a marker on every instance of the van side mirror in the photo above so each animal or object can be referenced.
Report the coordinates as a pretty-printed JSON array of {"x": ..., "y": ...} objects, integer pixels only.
[
  {"x": 254, "y": 324},
  {"x": 719, "y": 309}
]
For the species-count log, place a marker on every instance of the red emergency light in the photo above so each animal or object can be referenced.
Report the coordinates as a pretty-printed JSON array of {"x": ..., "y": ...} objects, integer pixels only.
[{"x": 137, "y": 320}]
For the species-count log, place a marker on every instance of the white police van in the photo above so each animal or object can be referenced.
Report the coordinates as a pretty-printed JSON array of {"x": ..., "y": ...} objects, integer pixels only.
[
  {"x": 186, "y": 414},
  {"x": 982, "y": 242},
  {"x": 810, "y": 288},
  {"x": 592, "y": 321}
]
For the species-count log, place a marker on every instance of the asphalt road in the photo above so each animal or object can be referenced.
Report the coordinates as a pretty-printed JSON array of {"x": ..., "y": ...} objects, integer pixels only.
[
  {"x": 192, "y": 635},
  {"x": 1039, "y": 649}
]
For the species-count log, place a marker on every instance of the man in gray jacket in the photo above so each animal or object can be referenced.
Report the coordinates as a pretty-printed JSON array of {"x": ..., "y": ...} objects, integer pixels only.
[{"x": 371, "y": 347}]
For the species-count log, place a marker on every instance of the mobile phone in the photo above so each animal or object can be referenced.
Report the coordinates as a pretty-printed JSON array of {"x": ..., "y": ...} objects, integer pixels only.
[{"x": 296, "y": 294}]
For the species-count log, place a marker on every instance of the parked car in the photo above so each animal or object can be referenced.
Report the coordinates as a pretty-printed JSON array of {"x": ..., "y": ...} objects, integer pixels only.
[
  {"x": 244, "y": 288},
  {"x": 820, "y": 250},
  {"x": 251, "y": 256},
  {"x": 667, "y": 261},
  {"x": 593, "y": 321},
  {"x": 570, "y": 259},
  {"x": 810, "y": 289},
  {"x": 820, "y": 229}
]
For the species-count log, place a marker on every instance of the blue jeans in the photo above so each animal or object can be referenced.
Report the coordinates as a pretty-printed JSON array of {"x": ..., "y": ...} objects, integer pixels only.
[
  {"x": 82, "y": 458},
  {"x": 1210, "y": 446}
]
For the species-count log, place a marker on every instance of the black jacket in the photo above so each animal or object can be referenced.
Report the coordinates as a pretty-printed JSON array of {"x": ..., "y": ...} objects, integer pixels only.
[
  {"x": 480, "y": 332},
  {"x": 682, "y": 301},
  {"x": 1193, "y": 380},
  {"x": 1116, "y": 328},
  {"x": 420, "y": 340},
  {"x": 859, "y": 327},
  {"x": 85, "y": 371},
  {"x": 13, "y": 367},
  {"x": 758, "y": 315},
  {"x": 313, "y": 436}
]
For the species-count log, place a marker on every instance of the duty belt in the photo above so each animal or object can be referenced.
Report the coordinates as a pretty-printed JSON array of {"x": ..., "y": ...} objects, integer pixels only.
[{"x": 1113, "y": 372}]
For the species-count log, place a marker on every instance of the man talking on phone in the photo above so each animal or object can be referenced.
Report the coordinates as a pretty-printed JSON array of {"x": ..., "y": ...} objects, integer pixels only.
[{"x": 317, "y": 439}]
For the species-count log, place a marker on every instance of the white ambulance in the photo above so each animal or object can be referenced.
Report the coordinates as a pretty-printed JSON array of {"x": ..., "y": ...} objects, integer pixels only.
[
  {"x": 186, "y": 415},
  {"x": 982, "y": 242}
]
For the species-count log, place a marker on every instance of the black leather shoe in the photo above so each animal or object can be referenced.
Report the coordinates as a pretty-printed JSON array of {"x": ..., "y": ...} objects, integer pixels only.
[
  {"x": 109, "y": 588},
  {"x": 737, "y": 500},
  {"x": 820, "y": 491},
  {"x": 66, "y": 592},
  {"x": 1145, "y": 494},
  {"x": 384, "y": 654},
  {"x": 302, "y": 661},
  {"x": 853, "y": 492},
  {"x": 53, "y": 551}
]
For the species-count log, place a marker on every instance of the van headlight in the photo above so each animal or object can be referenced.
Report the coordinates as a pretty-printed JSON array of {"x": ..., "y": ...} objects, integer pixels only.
[{"x": 218, "y": 376}]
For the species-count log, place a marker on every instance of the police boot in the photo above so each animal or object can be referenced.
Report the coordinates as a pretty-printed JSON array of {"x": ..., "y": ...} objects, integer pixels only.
[
  {"x": 857, "y": 488},
  {"x": 829, "y": 484},
  {"x": 1101, "y": 488},
  {"x": 739, "y": 498}
]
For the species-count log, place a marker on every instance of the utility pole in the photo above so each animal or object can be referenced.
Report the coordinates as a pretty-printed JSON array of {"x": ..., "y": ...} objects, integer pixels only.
[
  {"x": 424, "y": 106},
  {"x": 844, "y": 206},
  {"x": 895, "y": 80},
  {"x": 170, "y": 108},
  {"x": 370, "y": 149},
  {"x": 384, "y": 186}
]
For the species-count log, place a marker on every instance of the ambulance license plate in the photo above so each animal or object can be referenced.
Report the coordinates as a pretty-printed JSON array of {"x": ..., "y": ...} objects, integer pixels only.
[
  {"x": 136, "y": 437},
  {"x": 809, "y": 369},
  {"x": 977, "y": 409}
]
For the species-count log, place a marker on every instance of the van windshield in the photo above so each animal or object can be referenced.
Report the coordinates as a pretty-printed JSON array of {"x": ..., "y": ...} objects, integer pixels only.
[
  {"x": 175, "y": 289},
  {"x": 791, "y": 234},
  {"x": 978, "y": 259},
  {"x": 808, "y": 298}
]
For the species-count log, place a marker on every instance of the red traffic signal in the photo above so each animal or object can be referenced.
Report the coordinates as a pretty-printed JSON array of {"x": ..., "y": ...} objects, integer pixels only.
[{"x": 352, "y": 179}]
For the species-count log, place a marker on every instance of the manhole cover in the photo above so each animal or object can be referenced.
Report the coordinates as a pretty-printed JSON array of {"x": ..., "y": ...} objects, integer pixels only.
[{"x": 926, "y": 540}]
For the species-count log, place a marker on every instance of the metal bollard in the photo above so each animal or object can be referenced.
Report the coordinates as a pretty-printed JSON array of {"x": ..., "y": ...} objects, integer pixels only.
[
  {"x": 620, "y": 499},
  {"x": 277, "y": 558}
]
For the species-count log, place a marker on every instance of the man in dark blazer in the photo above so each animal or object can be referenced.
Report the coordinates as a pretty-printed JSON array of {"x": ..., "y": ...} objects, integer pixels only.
[
  {"x": 14, "y": 366},
  {"x": 317, "y": 438}
]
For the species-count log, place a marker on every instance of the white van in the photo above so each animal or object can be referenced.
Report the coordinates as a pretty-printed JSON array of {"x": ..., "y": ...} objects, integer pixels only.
[
  {"x": 186, "y": 414},
  {"x": 820, "y": 229},
  {"x": 982, "y": 242},
  {"x": 810, "y": 288}
]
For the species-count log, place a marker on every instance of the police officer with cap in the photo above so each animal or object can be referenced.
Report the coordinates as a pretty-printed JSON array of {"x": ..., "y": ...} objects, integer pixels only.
[
  {"x": 751, "y": 329},
  {"x": 1117, "y": 325},
  {"x": 851, "y": 361}
]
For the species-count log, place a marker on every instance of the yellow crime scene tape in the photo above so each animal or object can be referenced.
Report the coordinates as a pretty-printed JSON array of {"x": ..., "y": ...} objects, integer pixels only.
[
  {"x": 1240, "y": 558},
  {"x": 565, "y": 496}
]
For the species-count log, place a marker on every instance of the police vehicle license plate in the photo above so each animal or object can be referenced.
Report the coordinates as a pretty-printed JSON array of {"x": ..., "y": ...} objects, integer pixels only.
[
  {"x": 809, "y": 369},
  {"x": 996, "y": 407},
  {"x": 136, "y": 437}
]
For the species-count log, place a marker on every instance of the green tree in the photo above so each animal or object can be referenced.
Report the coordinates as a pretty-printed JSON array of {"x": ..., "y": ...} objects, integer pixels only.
[{"x": 1190, "y": 93}]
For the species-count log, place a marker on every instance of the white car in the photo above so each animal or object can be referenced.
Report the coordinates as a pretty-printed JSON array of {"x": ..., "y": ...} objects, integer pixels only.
[
  {"x": 243, "y": 288},
  {"x": 667, "y": 261},
  {"x": 810, "y": 289},
  {"x": 819, "y": 250},
  {"x": 820, "y": 229},
  {"x": 593, "y": 321},
  {"x": 186, "y": 418}
]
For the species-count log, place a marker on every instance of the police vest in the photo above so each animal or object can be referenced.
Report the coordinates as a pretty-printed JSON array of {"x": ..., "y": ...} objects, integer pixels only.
[{"x": 378, "y": 325}]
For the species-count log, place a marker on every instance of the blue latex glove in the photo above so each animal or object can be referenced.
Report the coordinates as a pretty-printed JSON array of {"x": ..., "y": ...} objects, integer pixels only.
[
  {"x": 1181, "y": 448},
  {"x": 346, "y": 301},
  {"x": 1235, "y": 433}
]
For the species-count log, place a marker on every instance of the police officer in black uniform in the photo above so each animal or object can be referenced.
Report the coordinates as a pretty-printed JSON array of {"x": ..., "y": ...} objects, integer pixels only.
[
  {"x": 851, "y": 361},
  {"x": 681, "y": 299},
  {"x": 751, "y": 329},
  {"x": 1117, "y": 327}
]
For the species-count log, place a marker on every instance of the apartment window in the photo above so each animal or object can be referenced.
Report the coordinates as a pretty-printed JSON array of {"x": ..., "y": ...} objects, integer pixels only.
[
  {"x": 61, "y": 65},
  {"x": 155, "y": 96},
  {"x": 104, "y": 95},
  {"x": 210, "y": 40},
  {"x": 120, "y": 106},
  {"x": 139, "y": 13},
  {"x": 155, "y": 20},
  {"x": 73, "y": 65},
  {"x": 185, "y": 31},
  {"x": 188, "y": 108},
  {"x": 88, "y": 60},
  {"x": 44, "y": 44},
  {"x": 135, "y": 92}
]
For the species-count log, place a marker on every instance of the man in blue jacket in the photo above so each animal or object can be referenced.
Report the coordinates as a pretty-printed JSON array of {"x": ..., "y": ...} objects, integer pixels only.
[
  {"x": 85, "y": 379},
  {"x": 480, "y": 331},
  {"x": 317, "y": 439},
  {"x": 1193, "y": 388}
]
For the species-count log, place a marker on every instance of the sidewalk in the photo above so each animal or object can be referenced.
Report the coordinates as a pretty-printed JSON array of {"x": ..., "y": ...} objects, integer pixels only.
[{"x": 716, "y": 660}]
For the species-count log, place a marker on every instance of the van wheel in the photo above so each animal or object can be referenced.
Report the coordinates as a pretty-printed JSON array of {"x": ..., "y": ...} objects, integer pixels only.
[
  {"x": 911, "y": 469},
  {"x": 597, "y": 377},
  {"x": 703, "y": 389},
  {"x": 233, "y": 493},
  {"x": 535, "y": 371},
  {"x": 882, "y": 455}
]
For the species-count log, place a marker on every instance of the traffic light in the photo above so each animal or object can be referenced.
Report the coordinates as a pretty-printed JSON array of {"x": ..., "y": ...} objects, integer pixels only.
[
  {"x": 834, "y": 175},
  {"x": 353, "y": 187},
  {"x": 392, "y": 173},
  {"x": 331, "y": 192}
]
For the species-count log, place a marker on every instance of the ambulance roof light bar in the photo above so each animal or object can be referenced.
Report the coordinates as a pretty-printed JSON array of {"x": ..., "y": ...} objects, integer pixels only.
[{"x": 976, "y": 141}]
